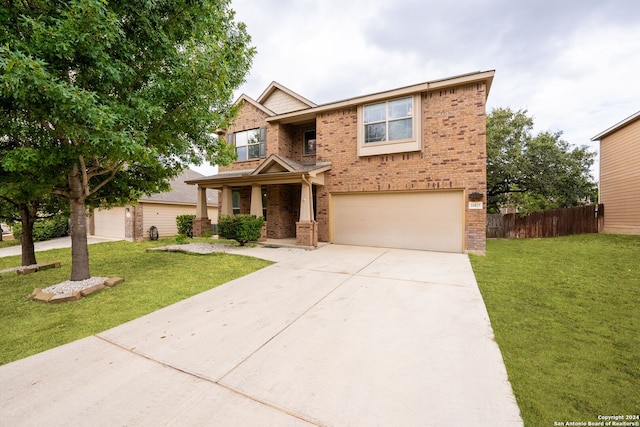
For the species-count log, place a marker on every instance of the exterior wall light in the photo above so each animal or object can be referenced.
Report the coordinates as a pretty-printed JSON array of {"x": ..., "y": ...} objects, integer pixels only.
[{"x": 476, "y": 196}]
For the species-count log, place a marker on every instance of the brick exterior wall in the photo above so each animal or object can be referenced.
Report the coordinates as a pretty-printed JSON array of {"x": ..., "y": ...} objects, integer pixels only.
[
  {"x": 251, "y": 117},
  {"x": 453, "y": 156},
  {"x": 133, "y": 224},
  {"x": 283, "y": 210}
]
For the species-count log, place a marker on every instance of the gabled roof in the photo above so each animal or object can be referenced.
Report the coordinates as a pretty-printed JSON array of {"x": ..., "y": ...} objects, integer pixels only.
[
  {"x": 310, "y": 113},
  {"x": 281, "y": 98},
  {"x": 275, "y": 86},
  {"x": 617, "y": 127},
  {"x": 273, "y": 170},
  {"x": 275, "y": 163},
  {"x": 245, "y": 98},
  {"x": 181, "y": 193}
]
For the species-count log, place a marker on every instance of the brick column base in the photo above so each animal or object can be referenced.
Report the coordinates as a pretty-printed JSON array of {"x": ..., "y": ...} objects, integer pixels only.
[
  {"x": 307, "y": 233},
  {"x": 200, "y": 226},
  {"x": 263, "y": 233}
]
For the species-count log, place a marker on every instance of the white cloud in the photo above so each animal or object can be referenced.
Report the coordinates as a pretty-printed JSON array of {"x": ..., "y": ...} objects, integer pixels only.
[{"x": 572, "y": 64}]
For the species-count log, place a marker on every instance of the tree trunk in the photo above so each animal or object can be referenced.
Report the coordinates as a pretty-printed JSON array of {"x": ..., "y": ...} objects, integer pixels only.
[
  {"x": 78, "y": 229},
  {"x": 27, "y": 218}
]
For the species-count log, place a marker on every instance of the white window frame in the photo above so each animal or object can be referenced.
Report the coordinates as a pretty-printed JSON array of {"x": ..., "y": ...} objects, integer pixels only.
[
  {"x": 414, "y": 143},
  {"x": 237, "y": 138}
]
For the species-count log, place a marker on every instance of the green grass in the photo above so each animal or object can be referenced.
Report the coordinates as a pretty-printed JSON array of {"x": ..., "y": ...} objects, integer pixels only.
[
  {"x": 152, "y": 280},
  {"x": 8, "y": 243},
  {"x": 566, "y": 315}
]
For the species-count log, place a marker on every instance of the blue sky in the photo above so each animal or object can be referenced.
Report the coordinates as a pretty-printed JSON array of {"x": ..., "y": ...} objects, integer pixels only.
[{"x": 572, "y": 64}]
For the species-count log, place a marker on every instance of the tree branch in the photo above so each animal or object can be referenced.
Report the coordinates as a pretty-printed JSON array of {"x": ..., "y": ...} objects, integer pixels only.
[
  {"x": 61, "y": 192},
  {"x": 106, "y": 180}
]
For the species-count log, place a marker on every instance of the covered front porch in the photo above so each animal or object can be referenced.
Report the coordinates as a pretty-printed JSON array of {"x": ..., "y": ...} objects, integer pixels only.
[{"x": 280, "y": 190}]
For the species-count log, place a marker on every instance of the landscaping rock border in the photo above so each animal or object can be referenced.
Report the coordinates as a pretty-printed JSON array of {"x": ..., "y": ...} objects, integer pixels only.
[
  {"x": 73, "y": 291},
  {"x": 33, "y": 268}
]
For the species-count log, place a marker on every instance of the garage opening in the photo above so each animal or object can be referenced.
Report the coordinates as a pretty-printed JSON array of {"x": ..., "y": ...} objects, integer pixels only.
[{"x": 425, "y": 220}]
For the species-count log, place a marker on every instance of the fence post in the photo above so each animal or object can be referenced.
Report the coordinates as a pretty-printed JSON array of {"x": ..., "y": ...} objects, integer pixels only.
[{"x": 600, "y": 217}]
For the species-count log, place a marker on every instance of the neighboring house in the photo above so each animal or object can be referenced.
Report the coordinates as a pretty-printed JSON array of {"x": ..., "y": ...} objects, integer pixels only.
[
  {"x": 620, "y": 175},
  {"x": 404, "y": 168},
  {"x": 160, "y": 210}
]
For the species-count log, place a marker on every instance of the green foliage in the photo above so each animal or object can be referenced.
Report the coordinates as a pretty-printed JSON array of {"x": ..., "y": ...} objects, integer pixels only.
[
  {"x": 182, "y": 239},
  {"x": 102, "y": 102},
  {"x": 153, "y": 280},
  {"x": 45, "y": 229},
  {"x": 185, "y": 224},
  {"x": 534, "y": 172},
  {"x": 9, "y": 243},
  {"x": 241, "y": 228},
  {"x": 565, "y": 315}
]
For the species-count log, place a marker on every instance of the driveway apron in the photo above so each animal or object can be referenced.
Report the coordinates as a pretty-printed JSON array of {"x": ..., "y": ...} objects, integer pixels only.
[{"x": 338, "y": 336}]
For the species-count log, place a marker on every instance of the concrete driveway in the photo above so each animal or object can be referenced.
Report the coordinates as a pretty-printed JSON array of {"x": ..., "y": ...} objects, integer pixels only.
[{"x": 338, "y": 336}]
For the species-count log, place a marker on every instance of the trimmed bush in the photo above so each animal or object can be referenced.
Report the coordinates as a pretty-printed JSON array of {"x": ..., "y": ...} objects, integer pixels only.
[
  {"x": 45, "y": 229},
  {"x": 185, "y": 224},
  {"x": 241, "y": 228},
  {"x": 181, "y": 239}
]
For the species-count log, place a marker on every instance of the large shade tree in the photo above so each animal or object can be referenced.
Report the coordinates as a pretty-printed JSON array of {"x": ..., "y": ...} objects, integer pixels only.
[
  {"x": 122, "y": 94},
  {"x": 534, "y": 172},
  {"x": 25, "y": 190}
]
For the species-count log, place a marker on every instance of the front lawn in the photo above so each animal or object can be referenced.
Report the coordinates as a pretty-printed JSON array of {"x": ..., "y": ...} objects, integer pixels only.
[
  {"x": 152, "y": 280},
  {"x": 566, "y": 315},
  {"x": 8, "y": 243}
]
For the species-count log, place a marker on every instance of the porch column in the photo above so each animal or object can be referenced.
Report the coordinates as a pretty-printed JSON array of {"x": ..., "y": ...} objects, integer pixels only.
[
  {"x": 202, "y": 222},
  {"x": 306, "y": 202},
  {"x": 256, "y": 200},
  {"x": 201, "y": 204},
  {"x": 306, "y": 228},
  {"x": 227, "y": 201}
]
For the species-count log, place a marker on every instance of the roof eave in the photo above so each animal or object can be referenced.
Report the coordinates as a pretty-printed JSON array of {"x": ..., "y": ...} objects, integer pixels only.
[
  {"x": 275, "y": 85},
  {"x": 268, "y": 178},
  {"x": 248, "y": 99},
  {"x": 617, "y": 127},
  {"x": 296, "y": 116}
]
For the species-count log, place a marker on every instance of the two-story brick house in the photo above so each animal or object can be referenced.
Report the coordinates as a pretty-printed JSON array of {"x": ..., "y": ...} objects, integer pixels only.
[{"x": 405, "y": 168}]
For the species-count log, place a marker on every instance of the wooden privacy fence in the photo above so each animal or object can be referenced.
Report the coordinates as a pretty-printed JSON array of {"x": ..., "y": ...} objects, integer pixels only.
[{"x": 552, "y": 223}]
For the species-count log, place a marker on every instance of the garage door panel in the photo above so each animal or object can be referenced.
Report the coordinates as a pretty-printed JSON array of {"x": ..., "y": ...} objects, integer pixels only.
[
  {"x": 110, "y": 222},
  {"x": 412, "y": 220}
]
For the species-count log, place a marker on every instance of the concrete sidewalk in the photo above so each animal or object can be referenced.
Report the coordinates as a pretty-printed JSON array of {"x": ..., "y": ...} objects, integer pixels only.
[
  {"x": 57, "y": 243},
  {"x": 337, "y": 336}
]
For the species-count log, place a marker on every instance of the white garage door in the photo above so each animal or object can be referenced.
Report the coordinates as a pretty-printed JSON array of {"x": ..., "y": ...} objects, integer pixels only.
[
  {"x": 429, "y": 220},
  {"x": 109, "y": 223}
]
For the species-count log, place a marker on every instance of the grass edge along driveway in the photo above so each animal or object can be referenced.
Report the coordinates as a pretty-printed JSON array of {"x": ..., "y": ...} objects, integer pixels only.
[
  {"x": 153, "y": 280},
  {"x": 566, "y": 315}
]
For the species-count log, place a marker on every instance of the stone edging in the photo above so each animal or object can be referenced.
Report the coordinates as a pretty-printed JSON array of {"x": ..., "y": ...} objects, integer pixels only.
[
  {"x": 32, "y": 268},
  {"x": 38, "y": 295}
]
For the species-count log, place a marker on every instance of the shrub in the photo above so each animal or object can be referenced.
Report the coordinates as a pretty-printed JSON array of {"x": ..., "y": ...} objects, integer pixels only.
[
  {"x": 185, "y": 224},
  {"x": 181, "y": 239},
  {"x": 45, "y": 229},
  {"x": 241, "y": 228}
]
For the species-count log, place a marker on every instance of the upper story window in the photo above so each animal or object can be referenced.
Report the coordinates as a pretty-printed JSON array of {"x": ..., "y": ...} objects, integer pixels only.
[
  {"x": 309, "y": 143},
  {"x": 388, "y": 121},
  {"x": 391, "y": 126},
  {"x": 250, "y": 144}
]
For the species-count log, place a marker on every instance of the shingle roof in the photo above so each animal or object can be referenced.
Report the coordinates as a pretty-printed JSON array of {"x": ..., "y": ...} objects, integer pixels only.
[{"x": 181, "y": 192}]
